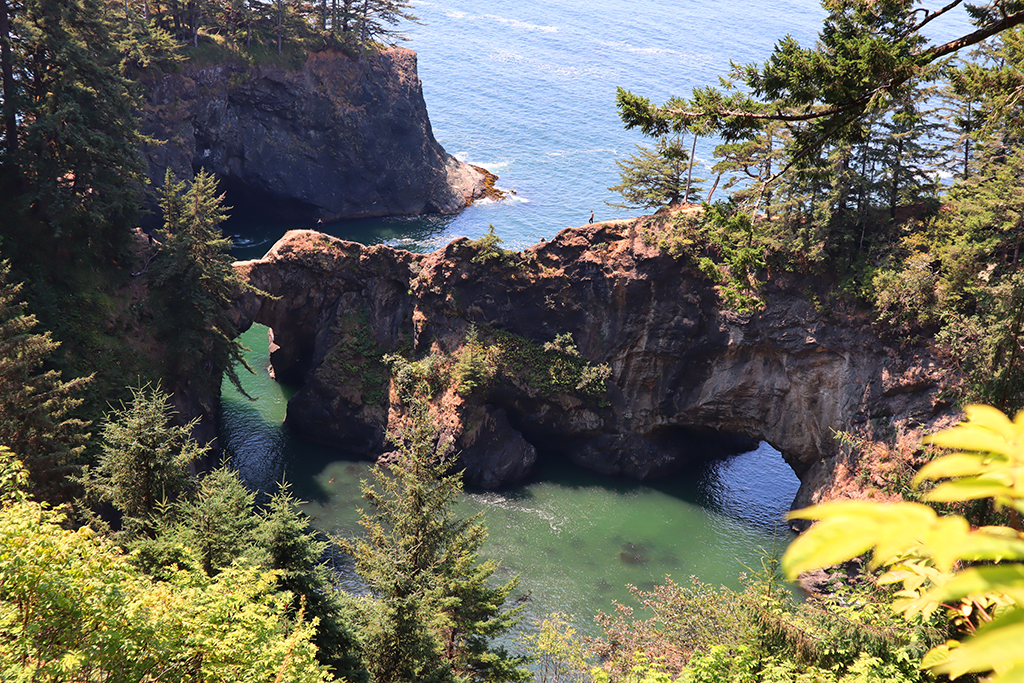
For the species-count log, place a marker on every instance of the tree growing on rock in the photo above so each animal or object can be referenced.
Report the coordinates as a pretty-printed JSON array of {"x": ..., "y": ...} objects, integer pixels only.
[
  {"x": 654, "y": 178},
  {"x": 193, "y": 283}
]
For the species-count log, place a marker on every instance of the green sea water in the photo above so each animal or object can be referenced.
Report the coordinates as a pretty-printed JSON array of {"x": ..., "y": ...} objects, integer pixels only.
[{"x": 575, "y": 538}]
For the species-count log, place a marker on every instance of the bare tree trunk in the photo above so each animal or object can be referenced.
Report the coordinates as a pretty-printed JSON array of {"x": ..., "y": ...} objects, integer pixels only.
[
  {"x": 713, "y": 188},
  {"x": 689, "y": 169},
  {"x": 280, "y": 20},
  {"x": 10, "y": 120},
  {"x": 364, "y": 29}
]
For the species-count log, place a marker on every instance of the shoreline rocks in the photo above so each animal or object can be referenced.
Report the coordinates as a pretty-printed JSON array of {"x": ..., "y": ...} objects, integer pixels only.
[{"x": 337, "y": 138}]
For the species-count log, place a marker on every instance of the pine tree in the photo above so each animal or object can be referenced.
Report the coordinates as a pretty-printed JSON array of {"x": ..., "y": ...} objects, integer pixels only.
[
  {"x": 655, "y": 178},
  {"x": 145, "y": 456},
  {"x": 36, "y": 406},
  {"x": 436, "y": 614},
  {"x": 71, "y": 124},
  {"x": 219, "y": 522},
  {"x": 293, "y": 549},
  {"x": 193, "y": 283}
]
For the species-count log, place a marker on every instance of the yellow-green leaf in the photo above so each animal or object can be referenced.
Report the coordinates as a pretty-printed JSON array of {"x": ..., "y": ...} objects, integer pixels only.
[
  {"x": 950, "y": 466},
  {"x": 996, "y": 647},
  {"x": 972, "y": 488}
]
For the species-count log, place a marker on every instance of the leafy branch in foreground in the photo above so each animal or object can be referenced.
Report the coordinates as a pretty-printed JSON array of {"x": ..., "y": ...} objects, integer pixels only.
[{"x": 977, "y": 574}]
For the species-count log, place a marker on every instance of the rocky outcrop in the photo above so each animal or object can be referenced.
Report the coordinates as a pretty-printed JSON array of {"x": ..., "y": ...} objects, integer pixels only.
[
  {"x": 337, "y": 138},
  {"x": 683, "y": 373}
]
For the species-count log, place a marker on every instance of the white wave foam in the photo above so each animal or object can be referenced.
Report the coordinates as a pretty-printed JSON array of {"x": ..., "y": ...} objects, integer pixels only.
[
  {"x": 574, "y": 152},
  {"x": 515, "y": 23},
  {"x": 455, "y": 14},
  {"x": 516, "y": 58},
  {"x": 492, "y": 166},
  {"x": 497, "y": 500},
  {"x": 690, "y": 57}
]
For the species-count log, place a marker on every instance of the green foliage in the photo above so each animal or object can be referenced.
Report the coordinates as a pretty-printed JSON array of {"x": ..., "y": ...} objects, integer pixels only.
[
  {"x": 941, "y": 561},
  {"x": 145, "y": 457},
  {"x": 435, "y": 615},
  {"x": 550, "y": 369},
  {"x": 473, "y": 367},
  {"x": 559, "y": 652},
  {"x": 356, "y": 359},
  {"x": 72, "y": 136},
  {"x": 73, "y": 608},
  {"x": 727, "y": 245},
  {"x": 489, "y": 250},
  {"x": 655, "y": 178},
  {"x": 419, "y": 380},
  {"x": 193, "y": 284},
  {"x": 294, "y": 552},
  {"x": 36, "y": 406},
  {"x": 698, "y": 633}
]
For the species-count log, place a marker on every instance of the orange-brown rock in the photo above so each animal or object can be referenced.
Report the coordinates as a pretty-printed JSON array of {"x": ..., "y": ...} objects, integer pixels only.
[{"x": 686, "y": 374}]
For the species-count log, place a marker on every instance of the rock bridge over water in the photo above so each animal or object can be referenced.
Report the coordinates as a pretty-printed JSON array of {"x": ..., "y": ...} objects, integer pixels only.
[{"x": 687, "y": 377}]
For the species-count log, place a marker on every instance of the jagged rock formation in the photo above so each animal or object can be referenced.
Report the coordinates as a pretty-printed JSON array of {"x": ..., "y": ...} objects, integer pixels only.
[
  {"x": 683, "y": 372},
  {"x": 337, "y": 138}
]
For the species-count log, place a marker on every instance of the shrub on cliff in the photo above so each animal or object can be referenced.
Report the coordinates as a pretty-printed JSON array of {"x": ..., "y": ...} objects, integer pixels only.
[
  {"x": 975, "y": 575},
  {"x": 73, "y": 607}
]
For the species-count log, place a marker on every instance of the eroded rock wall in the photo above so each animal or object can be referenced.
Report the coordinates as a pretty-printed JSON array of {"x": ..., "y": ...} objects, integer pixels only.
[
  {"x": 683, "y": 371},
  {"x": 337, "y": 138}
]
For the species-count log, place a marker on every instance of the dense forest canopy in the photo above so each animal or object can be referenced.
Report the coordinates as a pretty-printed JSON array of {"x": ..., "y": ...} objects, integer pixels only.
[{"x": 890, "y": 163}]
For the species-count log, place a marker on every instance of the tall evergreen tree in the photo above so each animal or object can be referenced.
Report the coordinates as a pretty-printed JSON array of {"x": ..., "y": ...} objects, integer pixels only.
[
  {"x": 36, "y": 406},
  {"x": 193, "y": 283},
  {"x": 71, "y": 128},
  {"x": 292, "y": 548},
  {"x": 655, "y": 178},
  {"x": 436, "y": 615}
]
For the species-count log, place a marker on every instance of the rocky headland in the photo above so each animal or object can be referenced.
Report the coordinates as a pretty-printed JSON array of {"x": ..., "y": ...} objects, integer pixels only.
[
  {"x": 337, "y": 138},
  {"x": 595, "y": 345}
]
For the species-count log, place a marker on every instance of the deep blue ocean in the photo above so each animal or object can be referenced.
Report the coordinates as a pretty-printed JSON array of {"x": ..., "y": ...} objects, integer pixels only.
[{"x": 526, "y": 89}]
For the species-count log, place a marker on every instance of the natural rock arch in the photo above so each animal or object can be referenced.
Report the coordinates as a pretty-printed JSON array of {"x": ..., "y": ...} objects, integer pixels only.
[{"x": 684, "y": 371}]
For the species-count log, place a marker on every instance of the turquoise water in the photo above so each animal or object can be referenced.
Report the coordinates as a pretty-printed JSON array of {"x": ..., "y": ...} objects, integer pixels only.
[
  {"x": 526, "y": 89},
  {"x": 575, "y": 538}
]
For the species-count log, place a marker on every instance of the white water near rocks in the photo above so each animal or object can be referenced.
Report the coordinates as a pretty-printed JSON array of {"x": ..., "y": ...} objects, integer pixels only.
[{"x": 526, "y": 89}]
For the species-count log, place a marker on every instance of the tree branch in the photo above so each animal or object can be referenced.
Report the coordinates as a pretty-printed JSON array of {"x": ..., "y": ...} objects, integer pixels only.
[
  {"x": 981, "y": 34},
  {"x": 929, "y": 55}
]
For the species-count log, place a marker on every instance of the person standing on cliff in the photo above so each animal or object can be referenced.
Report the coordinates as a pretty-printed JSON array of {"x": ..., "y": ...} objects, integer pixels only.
[{"x": 591, "y": 217}]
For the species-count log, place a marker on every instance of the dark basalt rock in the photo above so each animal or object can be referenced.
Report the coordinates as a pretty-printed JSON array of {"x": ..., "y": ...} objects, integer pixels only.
[
  {"x": 337, "y": 138},
  {"x": 685, "y": 373}
]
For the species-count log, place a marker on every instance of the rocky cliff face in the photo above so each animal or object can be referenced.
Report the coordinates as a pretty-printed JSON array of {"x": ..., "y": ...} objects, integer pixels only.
[
  {"x": 338, "y": 138},
  {"x": 682, "y": 373}
]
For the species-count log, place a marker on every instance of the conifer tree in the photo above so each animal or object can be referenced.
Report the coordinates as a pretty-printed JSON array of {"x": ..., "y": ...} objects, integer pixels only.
[
  {"x": 436, "y": 614},
  {"x": 71, "y": 123},
  {"x": 655, "y": 178},
  {"x": 194, "y": 282},
  {"x": 36, "y": 406},
  {"x": 145, "y": 456},
  {"x": 218, "y": 522},
  {"x": 294, "y": 550}
]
